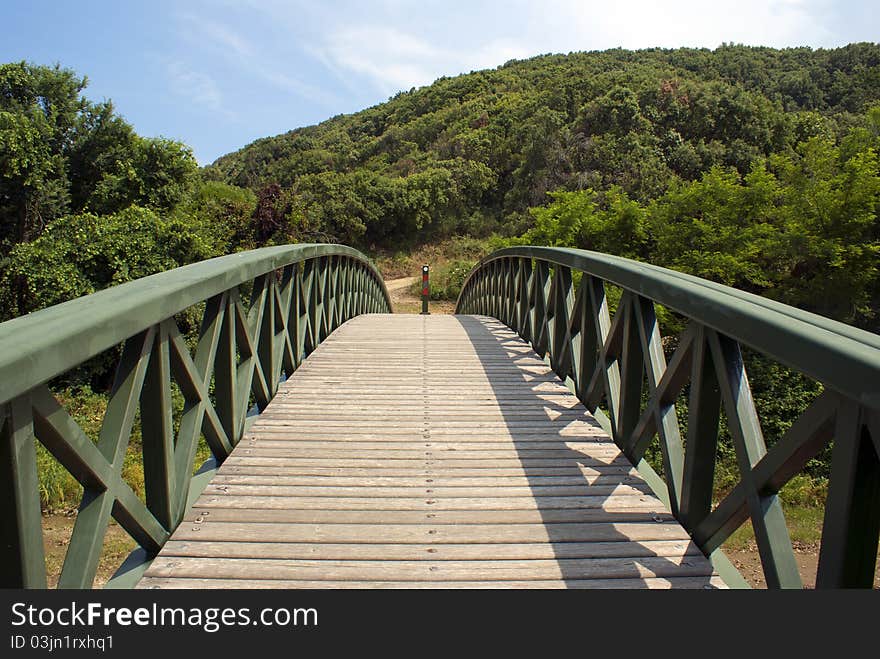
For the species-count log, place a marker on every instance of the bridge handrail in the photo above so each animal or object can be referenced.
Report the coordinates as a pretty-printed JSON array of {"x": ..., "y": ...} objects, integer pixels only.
[
  {"x": 607, "y": 358},
  {"x": 41, "y": 345},
  {"x": 299, "y": 295}
]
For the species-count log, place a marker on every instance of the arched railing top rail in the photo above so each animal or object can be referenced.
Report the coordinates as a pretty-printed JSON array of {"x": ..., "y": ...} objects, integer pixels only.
[
  {"x": 618, "y": 368},
  {"x": 49, "y": 342},
  {"x": 264, "y": 311}
]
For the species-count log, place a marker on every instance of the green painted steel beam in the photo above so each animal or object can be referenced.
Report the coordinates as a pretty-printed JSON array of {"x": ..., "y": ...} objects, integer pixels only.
[
  {"x": 848, "y": 556},
  {"x": 704, "y": 412},
  {"x": 133, "y": 567},
  {"x": 46, "y": 343},
  {"x": 22, "y": 559},
  {"x": 843, "y": 357}
]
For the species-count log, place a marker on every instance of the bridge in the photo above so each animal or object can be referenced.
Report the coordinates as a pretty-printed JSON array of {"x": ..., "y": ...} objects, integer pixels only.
[{"x": 506, "y": 446}]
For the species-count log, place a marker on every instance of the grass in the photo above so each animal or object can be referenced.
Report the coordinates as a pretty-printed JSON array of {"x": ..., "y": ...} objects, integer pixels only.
[
  {"x": 804, "y": 528},
  {"x": 59, "y": 490},
  {"x": 446, "y": 280},
  {"x": 442, "y": 307},
  {"x": 803, "y": 502}
]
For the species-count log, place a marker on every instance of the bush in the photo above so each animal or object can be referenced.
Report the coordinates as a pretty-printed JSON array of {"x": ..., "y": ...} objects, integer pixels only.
[
  {"x": 80, "y": 254},
  {"x": 805, "y": 491}
]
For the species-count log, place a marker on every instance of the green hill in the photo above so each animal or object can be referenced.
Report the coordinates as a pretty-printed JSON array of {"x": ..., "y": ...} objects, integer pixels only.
[{"x": 472, "y": 153}]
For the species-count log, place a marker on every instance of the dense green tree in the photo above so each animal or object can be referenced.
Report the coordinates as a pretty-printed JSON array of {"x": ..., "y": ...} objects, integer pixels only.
[
  {"x": 39, "y": 113},
  {"x": 610, "y": 222},
  {"x": 79, "y": 254},
  {"x": 830, "y": 213},
  {"x": 103, "y": 141},
  {"x": 60, "y": 153},
  {"x": 223, "y": 214},
  {"x": 800, "y": 226}
]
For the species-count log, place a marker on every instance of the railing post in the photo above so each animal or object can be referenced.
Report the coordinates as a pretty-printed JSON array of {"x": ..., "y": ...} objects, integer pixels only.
[
  {"x": 22, "y": 562},
  {"x": 768, "y": 520},
  {"x": 852, "y": 513},
  {"x": 704, "y": 407}
]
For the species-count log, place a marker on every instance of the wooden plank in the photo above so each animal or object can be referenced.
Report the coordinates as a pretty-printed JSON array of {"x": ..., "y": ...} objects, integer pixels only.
[
  {"x": 511, "y": 427},
  {"x": 441, "y": 462},
  {"x": 227, "y": 478},
  {"x": 560, "y": 568},
  {"x": 442, "y": 436},
  {"x": 496, "y": 446},
  {"x": 433, "y": 533},
  {"x": 432, "y": 516},
  {"x": 422, "y": 452},
  {"x": 645, "y": 583},
  {"x": 464, "y": 476},
  {"x": 420, "y": 492},
  {"x": 613, "y": 503},
  {"x": 375, "y": 411},
  {"x": 280, "y": 466},
  {"x": 415, "y": 552}
]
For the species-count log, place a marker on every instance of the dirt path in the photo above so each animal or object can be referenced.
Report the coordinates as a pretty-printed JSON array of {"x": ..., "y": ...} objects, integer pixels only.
[
  {"x": 748, "y": 562},
  {"x": 57, "y": 529},
  {"x": 397, "y": 287}
]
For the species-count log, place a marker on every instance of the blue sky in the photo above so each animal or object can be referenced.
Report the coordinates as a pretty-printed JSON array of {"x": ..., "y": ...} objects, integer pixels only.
[{"x": 218, "y": 74}]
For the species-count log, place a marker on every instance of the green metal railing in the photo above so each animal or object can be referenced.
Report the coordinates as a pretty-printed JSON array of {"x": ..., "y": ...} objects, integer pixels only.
[
  {"x": 609, "y": 360},
  {"x": 299, "y": 294}
]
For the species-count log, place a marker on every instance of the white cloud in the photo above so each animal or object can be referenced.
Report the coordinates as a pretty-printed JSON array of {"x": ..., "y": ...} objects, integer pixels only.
[
  {"x": 649, "y": 23},
  {"x": 256, "y": 59},
  {"x": 394, "y": 45},
  {"x": 496, "y": 53},
  {"x": 291, "y": 83},
  {"x": 391, "y": 59},
  {"x": 394, "y": 60},
  {"x": 394, "y": 54},
  {"x": 199, "y": 88},
  {"x": 201, "y": 31},
  {"x": 227, "y": 38}
]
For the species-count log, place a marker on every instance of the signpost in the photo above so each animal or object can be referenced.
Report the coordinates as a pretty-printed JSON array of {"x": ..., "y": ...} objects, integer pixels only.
[{"x": 425, "y": 291}]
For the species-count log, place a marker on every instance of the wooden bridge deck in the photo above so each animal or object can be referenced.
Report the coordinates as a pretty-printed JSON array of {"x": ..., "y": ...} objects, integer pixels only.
[{"x": 427, "y": 451}]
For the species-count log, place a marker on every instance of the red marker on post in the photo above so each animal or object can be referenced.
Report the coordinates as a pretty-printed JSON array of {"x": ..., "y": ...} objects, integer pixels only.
[{"x": 425, "y": 291}]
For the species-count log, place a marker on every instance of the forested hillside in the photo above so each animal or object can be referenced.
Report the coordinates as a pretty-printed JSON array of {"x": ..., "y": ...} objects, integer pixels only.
[{"x": 473, "y": 153}]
